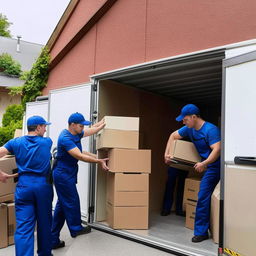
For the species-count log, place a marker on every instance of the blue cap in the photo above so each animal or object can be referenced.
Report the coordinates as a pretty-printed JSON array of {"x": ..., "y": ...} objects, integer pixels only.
[
  {"x": 36, "y": 120},
  {"x": 189, "y": 109},
  {"x": 78, "y": 118}
]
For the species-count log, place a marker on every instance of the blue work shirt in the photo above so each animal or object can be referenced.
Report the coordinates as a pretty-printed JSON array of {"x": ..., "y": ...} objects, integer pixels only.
[
  {"x": 203, "y": 138},
  {"x": 66, "y": 142},
  {"x": 33, "y": 154}
]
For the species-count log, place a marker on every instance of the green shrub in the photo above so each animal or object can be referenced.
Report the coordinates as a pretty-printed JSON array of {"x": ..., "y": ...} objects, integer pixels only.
[
  {"x": 13, "y": 113},
  {"x": 9, "y": 66},
  {"x": 7, "y": 132}
]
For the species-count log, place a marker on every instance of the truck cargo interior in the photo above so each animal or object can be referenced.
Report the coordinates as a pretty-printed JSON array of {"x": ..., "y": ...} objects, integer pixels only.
[{"x": 156, "y": 95}]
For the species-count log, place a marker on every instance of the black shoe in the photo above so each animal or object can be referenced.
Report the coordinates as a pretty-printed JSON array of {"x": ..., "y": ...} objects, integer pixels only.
[
  {"x": 85, "y": 230},
  {"x": 198, "y": 239},
  {"x": 165, "y": 213},
  {"x": 61, "y": 244},
  {"x": 181, "y": 213}
]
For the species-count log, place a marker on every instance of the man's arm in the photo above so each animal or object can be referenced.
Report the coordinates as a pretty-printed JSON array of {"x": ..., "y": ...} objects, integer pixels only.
[
  {"x": 93, "y": 130},
  {"x": 168, "y": 150},
  {"x": 3, "y": 152},
  {"x": 200, "y": 167},
  {"x": 89, "y": 154},
  {"x": 76, "y": 153},
  {"x": 102, "y": 121}
]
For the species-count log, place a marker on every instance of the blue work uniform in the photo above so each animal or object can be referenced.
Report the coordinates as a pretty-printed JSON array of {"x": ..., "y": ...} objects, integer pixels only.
[
  {"x": 33, "y": 194},
  {"x": 203, "y": 138},
  {"x": 65, "y": 179},
  {"x": 174, "y": 176}
]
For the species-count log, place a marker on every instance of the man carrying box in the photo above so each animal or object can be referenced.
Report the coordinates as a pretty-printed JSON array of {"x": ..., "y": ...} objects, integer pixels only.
[
  {"x": 65, "y": 176},
  {"x": 206, "y": 138},
  {"x": 34, "y": 193}
]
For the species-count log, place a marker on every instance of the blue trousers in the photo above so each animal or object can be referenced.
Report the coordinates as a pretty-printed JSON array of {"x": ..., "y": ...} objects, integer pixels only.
[
  {"x": 207, "y": 185},
  {"x": 33, "y": 204},
  {"x": 179, "y": 176},
  {"x": 67, "y": 207}
]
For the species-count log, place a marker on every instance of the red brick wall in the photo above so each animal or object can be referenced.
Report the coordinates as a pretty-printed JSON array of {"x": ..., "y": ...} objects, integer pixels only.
[{"x": 136, "y": 31}]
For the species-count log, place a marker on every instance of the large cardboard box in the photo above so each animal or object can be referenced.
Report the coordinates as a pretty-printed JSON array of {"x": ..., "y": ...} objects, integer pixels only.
[
  {"x": 122, "y": 123},
  {"x": 128, "y": 182},
  {"x": 11, "y": 223},
  {"x": 185, "y": 155},
  {"x": 190, "y": 214},
  {"x": 3, "y": 226},
  {"x": 127, "y": 217},
  {"x": 109, "y": 138},
  {"x": 7, "y": 198},
  {"x": 215, "y": 214},
  {"x": 127, "y": 189},
  {"x": 8, "y": 165},
  {"x": 191, "y": 189},
  {"x": 129, "y": 160}
]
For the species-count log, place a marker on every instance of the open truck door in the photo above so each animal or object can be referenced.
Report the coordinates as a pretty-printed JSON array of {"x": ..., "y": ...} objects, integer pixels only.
[{"x": 238, "y": 180}]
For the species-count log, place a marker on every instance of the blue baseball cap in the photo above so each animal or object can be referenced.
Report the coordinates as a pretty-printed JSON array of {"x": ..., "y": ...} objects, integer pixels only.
[
  {"x": 36, "y": 120},
  {"x": 78, "y": 118},
  {"x": 189, "y": 109}
]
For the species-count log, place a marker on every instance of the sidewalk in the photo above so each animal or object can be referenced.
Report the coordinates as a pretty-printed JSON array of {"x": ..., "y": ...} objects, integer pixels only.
[{"x": 96, "y": 244}]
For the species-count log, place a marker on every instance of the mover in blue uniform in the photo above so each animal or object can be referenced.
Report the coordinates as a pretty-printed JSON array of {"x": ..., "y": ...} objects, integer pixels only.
[
  {"x": 69, "y": 151},
  {"x": 206, "y": 138},
  {"x": 34, "y": 193}
]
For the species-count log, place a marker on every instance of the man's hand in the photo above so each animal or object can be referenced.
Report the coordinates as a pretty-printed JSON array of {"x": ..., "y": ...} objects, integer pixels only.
[
  {"x": 200, "y": 167},
  {"x": 168, "y": 158},
  {"x": 102, "y": 126},
  {"x": 103, "y": 163},
  {"x": 3, "y": 177}
]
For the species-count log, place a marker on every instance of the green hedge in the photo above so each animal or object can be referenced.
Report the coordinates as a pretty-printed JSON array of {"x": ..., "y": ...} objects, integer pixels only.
[{"x": 12, "y": 120}]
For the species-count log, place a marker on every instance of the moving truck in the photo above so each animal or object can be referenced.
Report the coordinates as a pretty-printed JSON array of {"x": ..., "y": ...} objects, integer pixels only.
[{"x": 221, "y": 81}]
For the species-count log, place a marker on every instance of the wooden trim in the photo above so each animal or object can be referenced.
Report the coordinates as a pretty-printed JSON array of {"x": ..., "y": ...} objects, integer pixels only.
[
  {"x": 61, "y": 24},
  {"x": 94, "y": 19}
]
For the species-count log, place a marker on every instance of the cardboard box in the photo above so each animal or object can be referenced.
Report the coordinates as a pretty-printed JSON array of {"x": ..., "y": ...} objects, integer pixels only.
[
  {"x": 3, "y": 226},
  {"x": 185, "y": 155},
  {"x": 120, "y": 198},
  {"x": 190, "y": 215},
  {"x": 215, "y": 214},
  {"x": 7, "y": 198},
  {"x": 127, "y": 182},
  {"x": 127, "y": 217},
  {"x": 191, "y": 189},
  {"x": 129, "y": 160},
  {"x": 17, "y": 133},
  {"x": 11, "y": 223},
  {"x": 127, "y": 189},
  {"x": 8, "y": 165},
  {"x": 122, "y": 123},
  {"x": 185, "y": 151},
  {"x": 117, "y": 139}
]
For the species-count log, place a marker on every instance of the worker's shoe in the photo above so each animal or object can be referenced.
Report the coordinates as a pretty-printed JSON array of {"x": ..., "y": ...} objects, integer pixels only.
[
  {"x": 61, "y": 244},
  {"x": 198, "y": 239},
  {"x": 165, "y": 213},
  {"x": 83, "y": 231}
]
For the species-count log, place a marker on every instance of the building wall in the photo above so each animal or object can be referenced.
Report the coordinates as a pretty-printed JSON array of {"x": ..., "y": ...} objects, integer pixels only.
[{"x": 135, "y": 31}]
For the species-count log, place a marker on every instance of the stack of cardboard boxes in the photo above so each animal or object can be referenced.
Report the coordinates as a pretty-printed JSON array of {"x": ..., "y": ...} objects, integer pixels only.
[
  {"x": 190, "y": 198},
  {"x": 128, "y": 176},
  {"x": 7, "y": 210}
]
